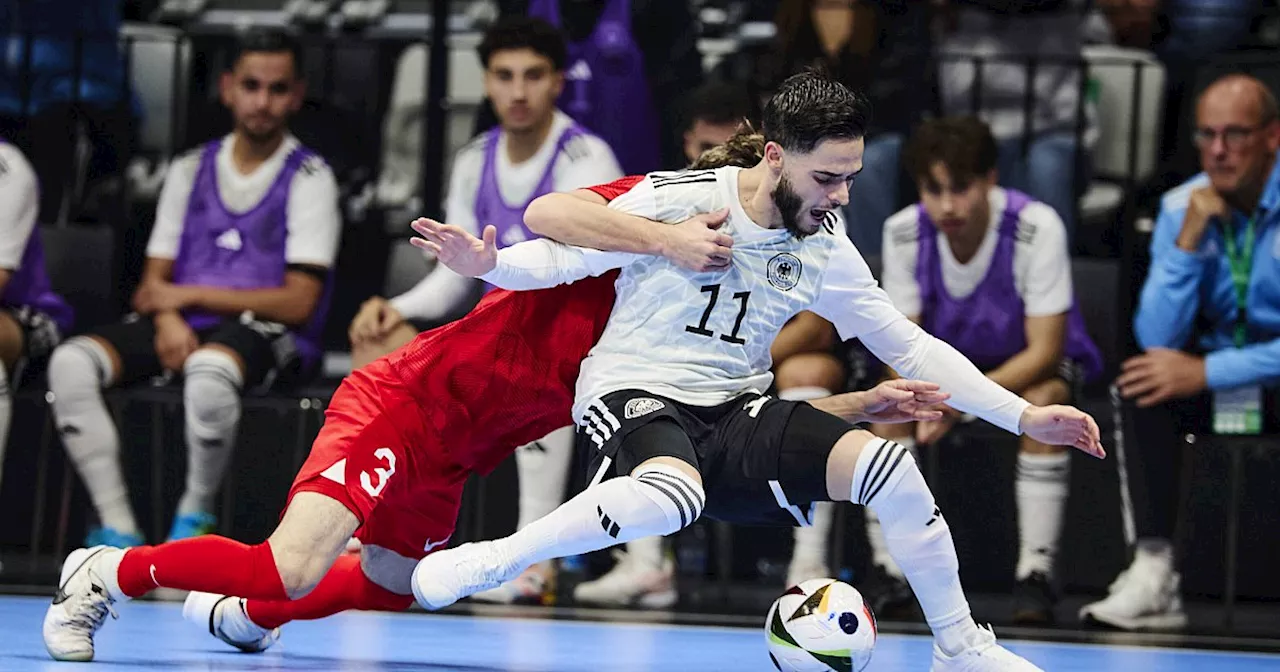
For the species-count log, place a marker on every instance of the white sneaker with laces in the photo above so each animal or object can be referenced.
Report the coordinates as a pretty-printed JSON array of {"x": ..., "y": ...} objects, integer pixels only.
[
  {"x": 1146, "y": 596},
  {"x": 444, "y": 577},
  {"x": 631, "y": 583},
  {"x": 535, "y": 585},
  {"x": 226, "y": 619},
  {"x": 80, "y": 606},
  {"x": 984, "y": 655}
]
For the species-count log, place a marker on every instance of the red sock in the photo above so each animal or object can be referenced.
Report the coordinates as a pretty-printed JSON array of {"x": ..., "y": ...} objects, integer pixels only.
[
  {"x": 210, "y": 563},
  {"x": 344, "y": 587}
]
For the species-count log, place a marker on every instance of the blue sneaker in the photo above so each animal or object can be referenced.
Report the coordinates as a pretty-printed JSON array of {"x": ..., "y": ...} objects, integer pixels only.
[
  {"x": 188, "y": 525},
  {"x": 109, "y": 536}
]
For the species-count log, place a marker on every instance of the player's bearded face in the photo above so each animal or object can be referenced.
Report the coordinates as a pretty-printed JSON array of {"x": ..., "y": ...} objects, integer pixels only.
[
  {"x": 789, "y": 206},
  {"x": 262, "y": 92},
  {"x": 810, "y": 186}
]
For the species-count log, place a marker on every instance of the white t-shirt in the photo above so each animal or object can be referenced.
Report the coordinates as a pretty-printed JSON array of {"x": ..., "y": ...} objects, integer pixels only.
[
  {"x": 19, "y": 205},
  {"x": 1041, "y": 245},
  {"x": 704, "y": 338},
  {"x": 314, "y": 221},
  {"x": 583, "y": 162}
]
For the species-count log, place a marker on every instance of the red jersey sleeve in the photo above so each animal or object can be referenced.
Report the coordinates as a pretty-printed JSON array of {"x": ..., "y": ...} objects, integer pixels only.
[{"x": 617, "y": 187}]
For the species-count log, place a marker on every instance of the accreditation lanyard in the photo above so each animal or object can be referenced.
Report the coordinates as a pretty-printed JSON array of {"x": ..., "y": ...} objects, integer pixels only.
[{"x": 1241, "y": 262}]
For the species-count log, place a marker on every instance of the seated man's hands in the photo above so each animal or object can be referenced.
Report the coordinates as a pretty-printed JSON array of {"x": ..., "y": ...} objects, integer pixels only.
[
  {"x": 1159, "y": 375},
  {"x": 376, "y": 319}
]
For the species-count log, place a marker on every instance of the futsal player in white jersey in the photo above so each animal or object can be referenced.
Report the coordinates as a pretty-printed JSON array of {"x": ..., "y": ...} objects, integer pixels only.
[
  {"x": 670, "y": 400},
  {"x": 535, "y": 149}
]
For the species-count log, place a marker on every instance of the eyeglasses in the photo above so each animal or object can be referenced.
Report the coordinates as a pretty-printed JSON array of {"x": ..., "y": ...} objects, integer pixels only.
[{"x": 1233, "y": 137}]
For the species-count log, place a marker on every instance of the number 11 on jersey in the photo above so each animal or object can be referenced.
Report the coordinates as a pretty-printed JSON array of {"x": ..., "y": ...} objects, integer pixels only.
[{"x": 732, "y": 336}]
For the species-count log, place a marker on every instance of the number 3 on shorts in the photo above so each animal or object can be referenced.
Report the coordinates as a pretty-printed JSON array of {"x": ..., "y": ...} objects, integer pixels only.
[{"x": 382, "y": 474}]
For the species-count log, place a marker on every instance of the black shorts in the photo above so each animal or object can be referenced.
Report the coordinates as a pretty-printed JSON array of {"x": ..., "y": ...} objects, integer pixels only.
[
  {"x": 40, "y": 335},
  {"x": 763, "y": 460},
  {"x": 267, "y": 348}
]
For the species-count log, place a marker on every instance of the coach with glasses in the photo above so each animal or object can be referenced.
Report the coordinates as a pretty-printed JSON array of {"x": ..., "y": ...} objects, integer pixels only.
[{"x": 1208, "y": 323}]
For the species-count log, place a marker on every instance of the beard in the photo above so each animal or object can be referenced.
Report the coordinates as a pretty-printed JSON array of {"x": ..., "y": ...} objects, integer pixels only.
[{"x": 789, "y": 205}]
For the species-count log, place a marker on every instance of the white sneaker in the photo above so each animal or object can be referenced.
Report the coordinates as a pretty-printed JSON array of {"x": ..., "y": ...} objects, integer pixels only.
[
  {"x": 227, "y": 620},
  {"x": 631, "y": 584},
  {"x": 985, "y": 655},
  {"x": 535, "y": 585},
  {"x": 79, "y": 607},
  {"x": 800, "y": 571},
  {"x": 444, "y": 577},
  {"x": 1146, "y": 596}
]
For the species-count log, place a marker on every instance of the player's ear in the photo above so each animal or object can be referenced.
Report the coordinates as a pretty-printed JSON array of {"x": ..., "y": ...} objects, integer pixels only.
[{"x": 773, "y": 153}]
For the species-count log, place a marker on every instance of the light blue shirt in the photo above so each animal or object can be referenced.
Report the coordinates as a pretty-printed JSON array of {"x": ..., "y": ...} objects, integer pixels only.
[{"x": 1190, "y": 295}]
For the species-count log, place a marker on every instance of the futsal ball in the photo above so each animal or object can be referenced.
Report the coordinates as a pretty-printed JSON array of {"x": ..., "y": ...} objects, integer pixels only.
[{"x": 820, "y": 625}]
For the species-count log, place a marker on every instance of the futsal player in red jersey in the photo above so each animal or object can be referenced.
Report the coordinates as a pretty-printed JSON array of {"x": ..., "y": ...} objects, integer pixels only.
[{"x": 401, "y": 437}]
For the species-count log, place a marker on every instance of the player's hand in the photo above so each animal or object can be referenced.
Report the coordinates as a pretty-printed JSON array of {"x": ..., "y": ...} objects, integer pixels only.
[
  {"x": 456, "y": 248},
  {"x": 696, "y": 245},
  {"x": 932, "y": 431},
  {"x": 1063, "y": 426},
  {"x": 901, "y": 400},
  {"x": 159, "y": 297},
  {"x": 175, "y": 340},
  {"x": 1204, "y": 206},
  {"x": 376, "y": 319},
  {"x": 1161, "y": 374}
]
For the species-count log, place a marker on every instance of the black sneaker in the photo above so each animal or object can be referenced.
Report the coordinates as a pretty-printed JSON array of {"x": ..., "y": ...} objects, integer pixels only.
[
  {"x": 889, "y": 596},
  {"x": 1033, "y": 600}
]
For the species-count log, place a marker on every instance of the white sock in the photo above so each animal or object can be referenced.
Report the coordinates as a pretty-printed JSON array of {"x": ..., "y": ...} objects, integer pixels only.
[
  {"x": 646, "y": 552},
  {"x": 211, "y": 403},
  {"x": 887, "y": 480},
  {"x": 6, "y": 412},
  {"x": 1041, "y": 488},
  {"x": 805, "y": 393},
  {"x": 811, "y": 542},
  {"x": 656, "y": 501},
  {"x": 78, "y": 370},
  {"x": 543, "y": 468},
  {"x": 875, "y": 535}
]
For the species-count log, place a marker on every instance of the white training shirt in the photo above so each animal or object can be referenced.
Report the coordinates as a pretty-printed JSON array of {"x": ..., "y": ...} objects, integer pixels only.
[
  {"x": 1041, "y": 261},
  {"x": 704, "y": 338},
  {"x": 314, "y": 220},
  {"x": 583, "y": 162},
  {"x": 19, "y": 205}
]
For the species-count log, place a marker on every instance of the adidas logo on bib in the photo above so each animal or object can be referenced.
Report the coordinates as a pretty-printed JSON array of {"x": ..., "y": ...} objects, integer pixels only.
[{"x": 642, "y": 406}]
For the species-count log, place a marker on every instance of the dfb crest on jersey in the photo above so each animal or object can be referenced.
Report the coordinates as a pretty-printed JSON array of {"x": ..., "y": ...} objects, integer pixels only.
[
  {"x": 642, "y": 406},
  {"x": 784, "y": 271}
]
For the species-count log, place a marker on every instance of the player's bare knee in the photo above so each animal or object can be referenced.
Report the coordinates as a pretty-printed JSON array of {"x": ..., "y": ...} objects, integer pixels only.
[
  {"x": 809, "y": 369},
  {"x": 842, "y": 461},
  {"x": 314, "y": 530},
  {"x": 1048, "y": 392}
]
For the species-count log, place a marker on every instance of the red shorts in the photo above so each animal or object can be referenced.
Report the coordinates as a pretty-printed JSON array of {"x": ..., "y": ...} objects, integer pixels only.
[{"x": 379, "y": 458}]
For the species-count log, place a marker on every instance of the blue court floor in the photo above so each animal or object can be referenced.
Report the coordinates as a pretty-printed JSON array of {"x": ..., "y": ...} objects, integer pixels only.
[{"x": 152, "y": 635}]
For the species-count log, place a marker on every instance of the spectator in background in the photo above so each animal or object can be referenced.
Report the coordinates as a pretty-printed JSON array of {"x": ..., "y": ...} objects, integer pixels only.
[
  {"x": 33, "y": 318},
  {"x": 1015, "y": 64},
  {"x": 630, "y": 64},
  {"x": 1208, "y": 322},
  {"x": 534, "y": 150},
  {"x": 61, "y": 69},
  {"x": 877, "y": 47},
  {"x": 987, "y": 270},
  {"x": 711, "y": 115},
  {"x": 233, "y": 296}
]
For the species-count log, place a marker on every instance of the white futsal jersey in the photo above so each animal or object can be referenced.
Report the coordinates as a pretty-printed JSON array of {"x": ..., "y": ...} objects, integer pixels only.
[{"x": 705, "y": 338}]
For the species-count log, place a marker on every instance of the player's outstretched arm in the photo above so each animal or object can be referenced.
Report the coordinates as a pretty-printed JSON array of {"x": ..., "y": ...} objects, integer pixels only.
[
  {"x": 534, "y": 264},
  {"x": 892, "y": 401}
]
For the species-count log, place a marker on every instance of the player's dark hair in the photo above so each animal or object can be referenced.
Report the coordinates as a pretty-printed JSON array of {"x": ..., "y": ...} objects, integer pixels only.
[
  {"x": 809, "y": 108},
  {"x": 744, "y": 150},
  {"x": 267, "y": 41},
  {"x": 963, "y": 145},
  {"x": 524, "y": 32},
  {"x": 720, "y": 103}
]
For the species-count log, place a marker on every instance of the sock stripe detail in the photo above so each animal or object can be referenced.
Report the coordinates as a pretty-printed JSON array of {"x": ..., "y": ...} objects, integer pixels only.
[
  {"x": 670, "y": 493},
  {"x": 902, "y": 453},
  {"x": 881, "y": 452},
  {"x": 691, "y": 496}
]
